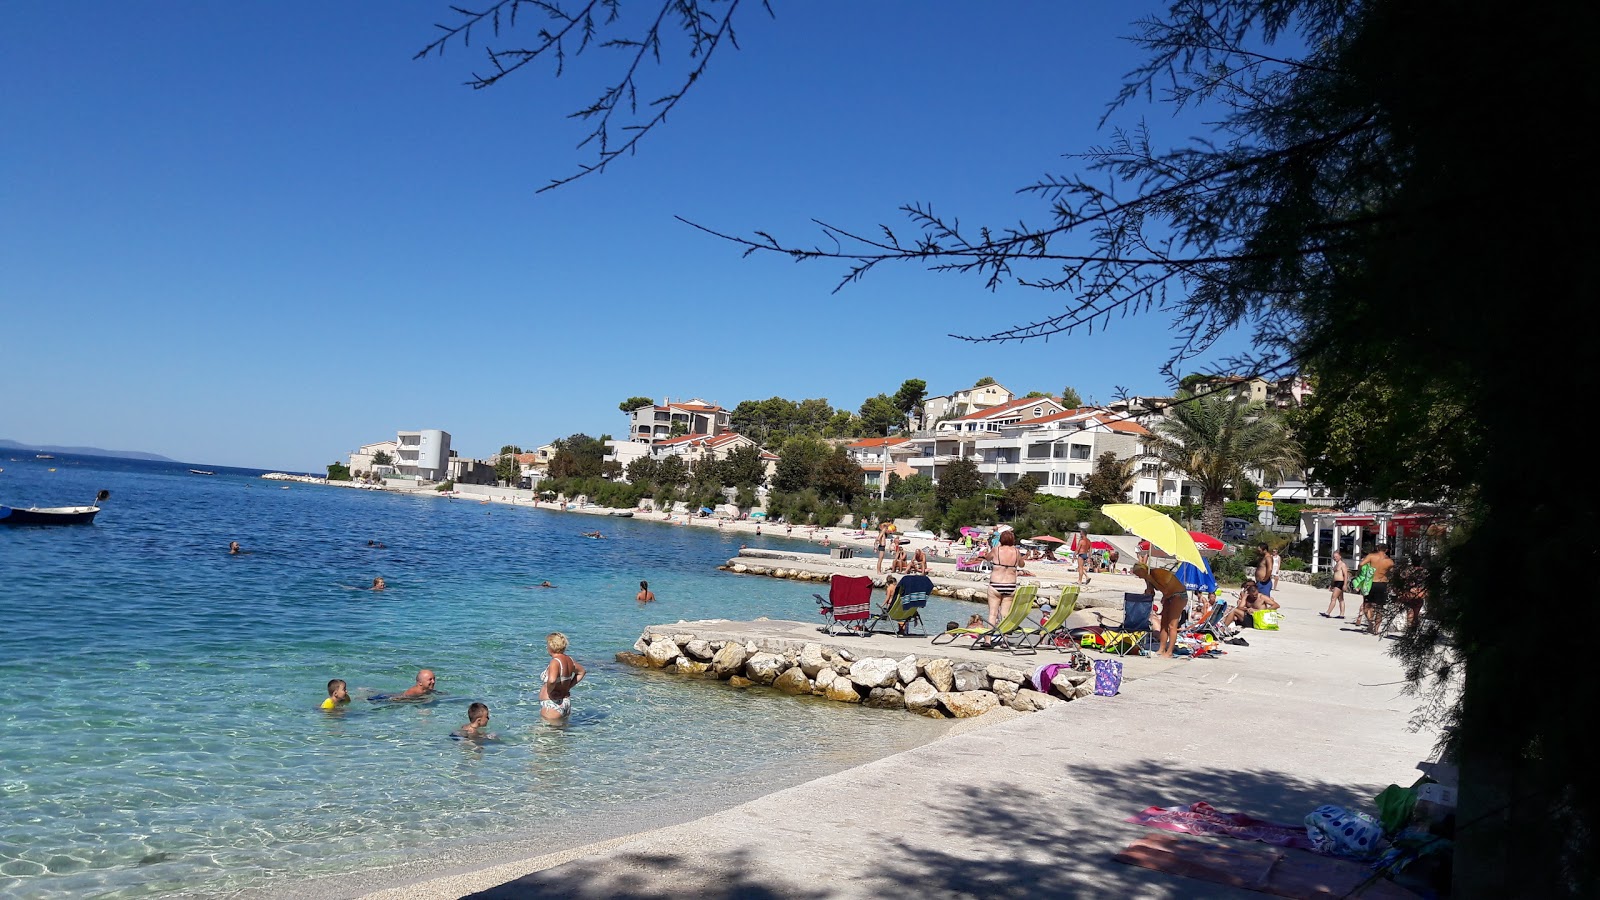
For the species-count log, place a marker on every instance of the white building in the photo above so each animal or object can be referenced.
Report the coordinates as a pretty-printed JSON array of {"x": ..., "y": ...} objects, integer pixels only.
[
  {"x": 964, "y": 403},
  {"x": 881, "y": 457},
  {"x": 363, "y": 459},
  {"x": 424, "y": 455}
]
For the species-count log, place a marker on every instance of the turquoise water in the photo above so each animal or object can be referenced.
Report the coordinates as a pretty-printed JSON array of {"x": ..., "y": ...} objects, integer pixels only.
[{"x": 158, "y": 697}]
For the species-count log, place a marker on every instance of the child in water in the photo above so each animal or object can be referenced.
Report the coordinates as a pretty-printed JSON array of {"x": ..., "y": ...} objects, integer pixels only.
[
  {"x": 337, "y": 695},
  {"x": 477, "y": 721}
]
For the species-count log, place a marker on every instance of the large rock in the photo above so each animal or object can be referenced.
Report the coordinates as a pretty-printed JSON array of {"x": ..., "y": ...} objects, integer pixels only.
[
  {"x": 997, "y": 672},
  {"x": 966, "y": 704},
  {"x": 681, "y": 639},
  {"x": 763, "y": 668},
  {"x": 633, "y": 659},
  {"x": 920, "y": 695},
  {"x": 843, "y": 690},
  {"x": 932, "y": 712},
  {"x": 739, "y": 681},
  {"x": 641, "y": 645},
  {"x": 886, "y": 698},
  {"x": 874, "y": 671},
  {"x": 825, "y": 677},
  {"x": 1040, "y": 701},
  {"x": 698, "y": 649},
  {"x": 1022, "y": 701},
  {"x": 1006, "y": 691},
  {"x": 811, "y": 660},
  {"x": 908, "y": 670},
  {"x": 683, "y": 665},
  {"x": 1082, "y": 690},
  {"x": 971, "y": 677},
  {"x": 740, "y": 568},
  {"x": 729, "y": 659},
  {"x": 940, "y": 674},
  {"x": 1062, "y": 685},
  {"x": 662, "y": 652},
  {"x": 793, "y": 681}
]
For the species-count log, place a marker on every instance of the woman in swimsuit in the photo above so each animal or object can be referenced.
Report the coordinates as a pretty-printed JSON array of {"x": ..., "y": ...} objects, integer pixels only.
[
  {"x": 1004, "y": 561},
  {"x": 555, "y": 701}
]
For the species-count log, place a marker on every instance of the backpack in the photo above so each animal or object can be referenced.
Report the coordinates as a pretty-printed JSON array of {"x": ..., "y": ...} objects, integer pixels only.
[{"x": 1363, "y": 580}]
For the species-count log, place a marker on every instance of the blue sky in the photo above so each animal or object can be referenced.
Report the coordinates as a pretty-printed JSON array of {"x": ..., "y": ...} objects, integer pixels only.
[{"x": 261, "y": 234}]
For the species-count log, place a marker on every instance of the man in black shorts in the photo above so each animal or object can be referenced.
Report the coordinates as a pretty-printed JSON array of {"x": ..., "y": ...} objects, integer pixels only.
[
  {"x": 1341, "y": 574},
  {"x": 1377, "y": 595}
]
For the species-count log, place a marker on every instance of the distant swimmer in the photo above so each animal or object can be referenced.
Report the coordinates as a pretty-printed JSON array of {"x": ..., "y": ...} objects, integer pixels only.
[
  {"x": 645, "y": 595},
  {"x": 233, "y": 548},
  {"x": 337, "y": 695},
  {"x": 477, "y": 724},
  {"x": 375, "y": 545},
  {"x": 593, "y": 534},
  {"x": 546, "y": 584},
  {"x": 419, "y": 691},
  {"x": 378, "y": 585}
]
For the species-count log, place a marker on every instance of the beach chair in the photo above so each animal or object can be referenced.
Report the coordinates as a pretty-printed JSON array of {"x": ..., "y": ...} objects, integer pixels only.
[
  {"x": 1213, "y": 623},
  {"x": 1133, "y": 635},
  {"x": 1003, "y": 635},
  {"x": 1053, "y": 629},
  {"x": 848, "y": 605},
  {"x": 971, "y": 564},
  {"x": 905, "y": 612}
]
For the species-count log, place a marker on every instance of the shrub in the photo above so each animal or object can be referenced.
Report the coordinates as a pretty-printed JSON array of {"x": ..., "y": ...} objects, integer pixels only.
[
  {"x": 446, "y": 486},
  {"x": 829, "y": 513}
]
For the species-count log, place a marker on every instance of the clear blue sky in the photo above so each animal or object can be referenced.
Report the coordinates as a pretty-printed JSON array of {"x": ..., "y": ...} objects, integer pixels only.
[{"x": 261, "y": 234}]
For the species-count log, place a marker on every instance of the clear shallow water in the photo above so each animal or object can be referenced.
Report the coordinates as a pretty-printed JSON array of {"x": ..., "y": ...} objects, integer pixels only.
[{"x": 158, "y": 697}]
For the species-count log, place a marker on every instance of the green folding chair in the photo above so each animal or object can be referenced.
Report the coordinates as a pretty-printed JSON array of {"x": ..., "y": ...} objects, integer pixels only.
[
  {"x": 1054, "y": 627},
  {"x": 1002, "y": 635}
]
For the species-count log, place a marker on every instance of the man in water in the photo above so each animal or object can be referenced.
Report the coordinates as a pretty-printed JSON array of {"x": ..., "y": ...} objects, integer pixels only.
[
  {"x": 423, "y": 687},
  {"x": 377, "y": 583},
  {"x": 233, "y": 548},
  {"x": 546, "y": 584},
  {"x": 645, "y": 595}
]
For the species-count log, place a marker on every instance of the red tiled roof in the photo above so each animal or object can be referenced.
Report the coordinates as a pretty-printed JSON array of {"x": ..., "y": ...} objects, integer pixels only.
[
  {"x": 1010, "y": 406},
  {"x": 878, "y": 442},
  {"x": 711, "y": 441}
]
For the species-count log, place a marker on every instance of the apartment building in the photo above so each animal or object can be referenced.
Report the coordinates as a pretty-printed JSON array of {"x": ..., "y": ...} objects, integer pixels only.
[
  {"x": 881, "y": 457},
  {"x": 649, "y": 424},
  {"x": 965, "y": 402}
]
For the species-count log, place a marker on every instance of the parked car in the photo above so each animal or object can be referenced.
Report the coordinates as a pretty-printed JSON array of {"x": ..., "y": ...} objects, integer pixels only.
[{"x": 1235, "y": 530}]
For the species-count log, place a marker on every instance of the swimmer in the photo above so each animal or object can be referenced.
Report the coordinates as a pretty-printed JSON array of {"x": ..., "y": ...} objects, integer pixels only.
[
  {"x": 477, "y": 721},
  {"x": 558, "y": 680},
  {"x": 377, "y": 546},
  {"x": 233, "y": 548},
  {"x": 645, "y": 595},
  {"x": 377, "y": 584},
  {"x": 337, "y": 695},
  {"x": 423, "y": 687},
  {"x": 546, "y": 584}
]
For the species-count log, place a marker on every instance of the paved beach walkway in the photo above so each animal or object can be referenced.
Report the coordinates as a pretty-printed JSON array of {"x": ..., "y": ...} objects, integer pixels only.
[{"x": 1032, "y": 806}]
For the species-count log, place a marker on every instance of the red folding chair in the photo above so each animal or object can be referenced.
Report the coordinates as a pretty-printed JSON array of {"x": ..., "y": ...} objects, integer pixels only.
[{"x": 848, "y": 605}]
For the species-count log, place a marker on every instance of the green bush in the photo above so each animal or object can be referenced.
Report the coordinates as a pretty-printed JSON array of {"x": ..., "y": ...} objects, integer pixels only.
[
  {"x": 829, "y": 513},
  {"x": 446, "y": 486},
  {"x": 1231, "y": 569},
  {"x": 1292, "y": 564},
  {"x": 338, "y": 471}
]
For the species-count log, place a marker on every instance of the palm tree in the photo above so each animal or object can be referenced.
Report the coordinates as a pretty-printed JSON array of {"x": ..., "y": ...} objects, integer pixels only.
[{"x": 1213, "y": 440}]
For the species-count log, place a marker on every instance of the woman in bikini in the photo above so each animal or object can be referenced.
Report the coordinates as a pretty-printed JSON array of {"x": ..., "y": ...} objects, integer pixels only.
[
  {"x": 1005, "y": 561},
  {"x": 555, "y": 701}
]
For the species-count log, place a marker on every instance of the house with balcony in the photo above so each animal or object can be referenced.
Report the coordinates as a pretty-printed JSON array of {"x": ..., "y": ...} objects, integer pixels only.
[
  {"x": 965, "y": 402},
  {"x": 423, "y": 455},
  {"x": 881, "y": 457},
  {"x": 1058, "y": 450},
  {"x": 692, "y": 448},
  {"x": 1283, "y": 393},
  {"x": 957, "y": 438},
  {"x": 362, "y": 460},
  {"x": 649, "y": 424}
]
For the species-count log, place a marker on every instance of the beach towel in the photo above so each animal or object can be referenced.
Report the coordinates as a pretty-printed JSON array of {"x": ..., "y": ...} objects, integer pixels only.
[
  {"x": 1107, "y": 677},
  {"x": 1202, "y": 818},
  {"x": 1337, "y": 831},
  {"x": 1362, "y": 582},
  {"x": 1043, "y": 675},
  {"x": 1267, "y": 870}
]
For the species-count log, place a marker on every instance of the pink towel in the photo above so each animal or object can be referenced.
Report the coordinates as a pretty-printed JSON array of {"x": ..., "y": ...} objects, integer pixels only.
[{"x": 1200, "y": 818}]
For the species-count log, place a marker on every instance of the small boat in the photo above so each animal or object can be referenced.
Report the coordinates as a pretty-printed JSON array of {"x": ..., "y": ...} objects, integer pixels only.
[
  {"x": 201, "y": 472},
  {"x": 53, "y": 515},
  {"x": 44, "y": 456}
]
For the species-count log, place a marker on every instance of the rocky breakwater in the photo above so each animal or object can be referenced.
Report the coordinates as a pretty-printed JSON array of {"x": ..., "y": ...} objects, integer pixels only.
[
  {"x": 936, "y": 687},
  {"x": 961, "y": 587}
]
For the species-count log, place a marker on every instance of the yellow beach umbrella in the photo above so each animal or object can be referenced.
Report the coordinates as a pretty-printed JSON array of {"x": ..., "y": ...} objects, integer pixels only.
[{"x": 1158, "y": 529}]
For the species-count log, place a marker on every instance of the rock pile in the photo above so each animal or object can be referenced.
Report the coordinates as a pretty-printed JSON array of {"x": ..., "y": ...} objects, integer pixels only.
[
  {"x": 980, "y": 594},
  {"x": 930, "y": 686}
]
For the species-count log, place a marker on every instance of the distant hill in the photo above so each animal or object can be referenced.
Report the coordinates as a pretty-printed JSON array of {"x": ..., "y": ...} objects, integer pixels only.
[{"x": 84, "y": 451}]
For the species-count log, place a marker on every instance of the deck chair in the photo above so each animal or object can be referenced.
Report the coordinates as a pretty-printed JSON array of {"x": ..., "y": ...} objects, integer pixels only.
[
  {"x": 848, "y": 605},
  {"x": 905, "y": 612},
  {"x": 1213, "y": 623},
  {"x": 1133, "y": 635},
  {"x": 971, "y": 564},
  {"x": 1054, "y": 627},
  {"x": 1004, "y": 634}
]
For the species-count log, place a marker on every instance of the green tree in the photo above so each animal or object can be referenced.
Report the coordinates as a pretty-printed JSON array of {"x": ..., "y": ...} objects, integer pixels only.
[
  {"x": 984, "y": 381},
  {"x": 1032, "y": 394},
  {"x": 577, "y": 456},
  {"x": 842, "y": 424},
  {"x": 678, "y": 429},
  {"x": 1017, "y": 498},
  {"x": 505, "y": 464},
  {"x": 960, "y": 480},
  {"x": 338, "y": 471},
  {"x": 1111, "y": 481},
  {"x": 633, "y": 403},
  {"x": 671, "y": 472},
  {"x": 611, "y": 470},
  {"x": 642, "y": 470},
  {"x": 838, "y": 477},
  {"x": 1070, "y": 398},
  {"x": 880, "y": 415},
  {"x": 798, "y": 464},
  {"x": 744, "y": 467},
  {"x": 1213, "y": 440},
  {"x": 908, "y": 399},
  {"x": 382, "y": 458},
  {"x": 917, "y": 486}
]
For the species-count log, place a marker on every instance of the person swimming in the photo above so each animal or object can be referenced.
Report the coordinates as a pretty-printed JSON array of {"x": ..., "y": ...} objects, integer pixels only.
[
  {"x": 477, "y": 722},
  {"x": 378, "y": 584},
  {"x": 423, "y": 689},
  {"x": 558, "y": 680},
  {"x": 337, "y": 695}
]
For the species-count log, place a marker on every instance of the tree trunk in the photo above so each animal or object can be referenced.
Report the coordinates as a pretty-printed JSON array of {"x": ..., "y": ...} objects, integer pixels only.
[{"x": 1212, "y": 508}]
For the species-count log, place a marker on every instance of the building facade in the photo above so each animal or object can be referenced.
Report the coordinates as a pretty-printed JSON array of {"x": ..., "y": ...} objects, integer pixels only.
[
  {"x": 964, "y": 403},
  {"x": 424, "y": 455},
  {"x": 649, "y": 424}
]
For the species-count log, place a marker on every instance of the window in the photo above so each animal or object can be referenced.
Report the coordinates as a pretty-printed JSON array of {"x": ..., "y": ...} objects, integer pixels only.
[
  {"x": 1058, "y": 479},
  {"x": 1147, "y": 498},
  {"x": 1080, "y": 451},
  {"x": 1038, "y": 451},
  {"x": 1149, "y": 469},
  {"x": 1074, "y": 479},
  {"x": 1061, "y": 451},
  {"x": 1038, "y": 411}
]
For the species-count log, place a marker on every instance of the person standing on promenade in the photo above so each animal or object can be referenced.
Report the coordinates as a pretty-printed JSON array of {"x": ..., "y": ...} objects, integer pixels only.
[
  {"x": 1277, "y": 563},
  {"x": 558, "y": 680},
  {"x": 1174, "y": 597},
  {"x": 1377, "y": 595},
  {"x": 1005, "y": 561},
  {"x": 884, "y": 528},
  {"x": 1081, "y": 549},
  {"x": 645, "y": 595},
  {"x": 1263, "y": 573},
  {"x": 1341, "y": 574}
]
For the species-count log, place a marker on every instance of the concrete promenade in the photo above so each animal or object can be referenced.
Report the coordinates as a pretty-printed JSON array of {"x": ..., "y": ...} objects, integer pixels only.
[{"x": 1032, "y": 805}]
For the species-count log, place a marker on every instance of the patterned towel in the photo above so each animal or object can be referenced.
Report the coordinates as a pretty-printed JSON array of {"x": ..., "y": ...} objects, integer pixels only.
[{"x": 1200, "y": 818}]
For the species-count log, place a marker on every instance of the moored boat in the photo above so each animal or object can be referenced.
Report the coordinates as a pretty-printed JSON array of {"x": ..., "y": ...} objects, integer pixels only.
[
  {"x": 53, "y": 515},
  {"x": 201, "y": 472}
]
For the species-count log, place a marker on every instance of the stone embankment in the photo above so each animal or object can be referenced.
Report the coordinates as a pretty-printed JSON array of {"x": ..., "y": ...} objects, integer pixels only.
[{"x": 933, "y": 686}]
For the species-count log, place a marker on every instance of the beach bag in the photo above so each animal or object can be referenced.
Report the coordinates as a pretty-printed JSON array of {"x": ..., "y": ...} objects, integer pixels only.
[
  {"x": 1107, "y": 677},
  {"x": 1363, "y": 580},
  {"x": 1264, "y": 619}
]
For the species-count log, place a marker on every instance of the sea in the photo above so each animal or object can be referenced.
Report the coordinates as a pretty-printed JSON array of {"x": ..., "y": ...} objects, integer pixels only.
[{"x": 160, "y": 729}]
